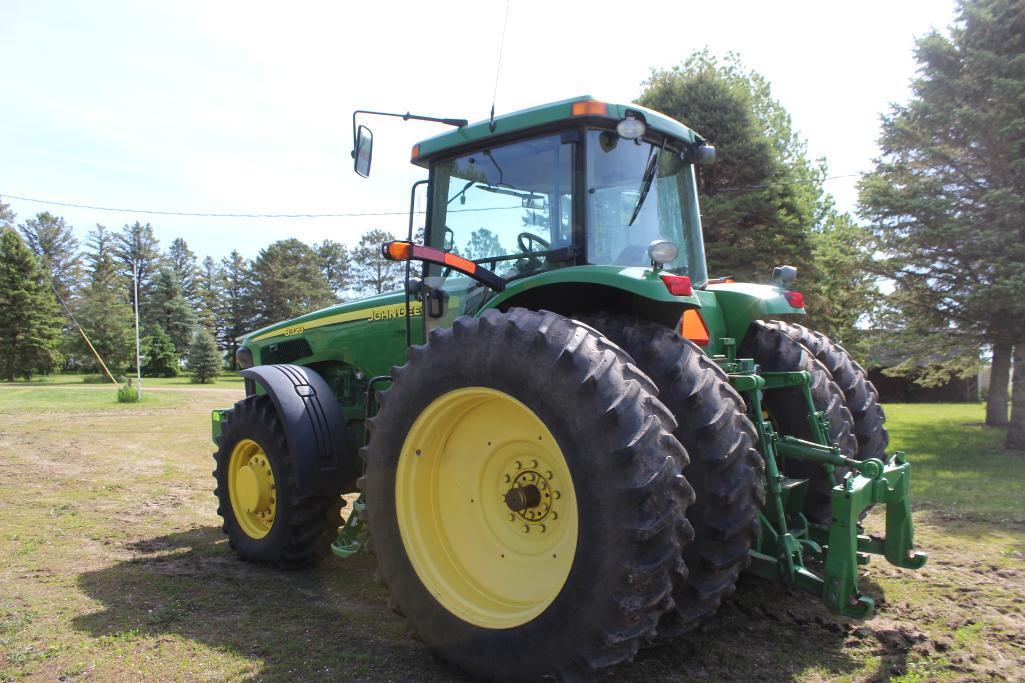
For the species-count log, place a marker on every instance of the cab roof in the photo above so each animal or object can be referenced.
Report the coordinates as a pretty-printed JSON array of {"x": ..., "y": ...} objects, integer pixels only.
[{"x": 553, "y": 112}]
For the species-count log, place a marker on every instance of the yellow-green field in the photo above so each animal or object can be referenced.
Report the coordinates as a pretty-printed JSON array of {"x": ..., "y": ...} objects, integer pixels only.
[{"x": 114, "y": 566}]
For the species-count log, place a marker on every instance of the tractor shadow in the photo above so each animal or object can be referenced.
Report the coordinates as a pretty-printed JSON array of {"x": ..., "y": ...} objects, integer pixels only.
[{"x": 333, "y": 622}]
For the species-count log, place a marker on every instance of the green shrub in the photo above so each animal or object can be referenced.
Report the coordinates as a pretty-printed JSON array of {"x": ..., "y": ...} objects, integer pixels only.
[
  {"x": 100, "y": 379},
  {"x": 127, "y": 394}
]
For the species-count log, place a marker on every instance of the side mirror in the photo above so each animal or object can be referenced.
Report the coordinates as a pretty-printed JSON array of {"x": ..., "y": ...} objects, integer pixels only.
[{"x": 363, "y": 152}]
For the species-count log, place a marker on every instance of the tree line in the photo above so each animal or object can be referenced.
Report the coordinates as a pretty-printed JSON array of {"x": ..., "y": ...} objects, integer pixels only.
[
  {"x": 932, "y": 264},
  {"x": 50, "y": 282}
]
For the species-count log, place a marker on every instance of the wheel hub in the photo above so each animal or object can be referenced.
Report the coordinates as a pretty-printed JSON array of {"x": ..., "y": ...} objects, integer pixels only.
[
  {"x": 252, "y": 488},
  {"x": 530, "y": 495}
]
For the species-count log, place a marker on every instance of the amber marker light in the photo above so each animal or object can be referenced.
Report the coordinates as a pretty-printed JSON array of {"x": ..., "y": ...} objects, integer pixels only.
[
  {"x": 692, "y": 326},
  {"x": 397, "y": 251},
  {"x": 590, "y": 108},
  {"x": 415, "y": 152}
]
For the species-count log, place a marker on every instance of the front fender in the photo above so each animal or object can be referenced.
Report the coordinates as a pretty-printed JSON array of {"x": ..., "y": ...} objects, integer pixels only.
[{"x": 320, "y": 443}]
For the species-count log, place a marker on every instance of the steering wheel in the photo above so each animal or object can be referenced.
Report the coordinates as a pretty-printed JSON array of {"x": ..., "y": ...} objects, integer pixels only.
[{"x": 526, "y": 240}]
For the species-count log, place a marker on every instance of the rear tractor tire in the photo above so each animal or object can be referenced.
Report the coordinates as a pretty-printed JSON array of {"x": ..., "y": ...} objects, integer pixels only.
[
  {"x": 525, "y": 497},
  {"x": 775, "y": 351},
  {"x": 264, "y": 518},
  {"x": 859, "y": 393},
  {"x": 725, "y": 469}
]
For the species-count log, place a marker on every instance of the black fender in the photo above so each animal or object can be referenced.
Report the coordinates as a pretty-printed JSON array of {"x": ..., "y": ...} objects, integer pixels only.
[{"x": 320, "y": 443}]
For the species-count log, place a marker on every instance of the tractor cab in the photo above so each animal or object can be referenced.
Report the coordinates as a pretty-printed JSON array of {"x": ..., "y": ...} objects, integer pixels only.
[{"x": 573, "y": 183}]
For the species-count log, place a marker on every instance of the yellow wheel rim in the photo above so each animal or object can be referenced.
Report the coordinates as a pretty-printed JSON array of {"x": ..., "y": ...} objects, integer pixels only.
[
  {"x": 251, "y": 488},
  {"x": 486, "y": 508}
]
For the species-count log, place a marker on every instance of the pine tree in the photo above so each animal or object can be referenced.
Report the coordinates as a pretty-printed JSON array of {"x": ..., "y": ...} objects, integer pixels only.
[
  {"x": 237, "y": 305},
  {"x": 137, "y": 244},
  {"x": 208, "y": 294},
  {"x": 30, "y": 322},
  {"x": 7, "y": 216},
  {"x": 204, "y": 358},
  {"x": 288, "y": 282},
  {"x": 947, "y": 196},
  {"x": 334, "y": 264},
  {"x": 186, "y": 272},
  {"x": 171, "y": 311},
  {"x": 161, "y": 359},
  {"x": 102, "y": 308},
  {"x": 764, "y": 195},
  {"x": 372, "y": 273},
  {"x": 54, "y": 243}
]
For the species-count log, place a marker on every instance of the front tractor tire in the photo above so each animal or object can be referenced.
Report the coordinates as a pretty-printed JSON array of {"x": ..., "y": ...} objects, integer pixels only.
[
  {"x": 725, "y": 469},
  {"x": 265, "y": 519},
  {"x": 524, "y": 491}
]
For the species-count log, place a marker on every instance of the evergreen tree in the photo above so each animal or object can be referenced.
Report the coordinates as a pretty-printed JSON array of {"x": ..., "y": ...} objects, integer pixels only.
[
  {"x": 372, "y": 273},
  {"x": 185, "y": 269},
  {"x": 161, "y": 359},
  {"x": 54, "y": 243},
  {"x": 947, "y": 196},
  {"x": 844, "y": 295},
  {"x": 7, "y": 216},
  {"x": 288, "y": 282},
  {"x": 237, "y": 306},
  {"x": 102, "y": 307},
  {"x": 30, "y": 322},
  {"x": 171, "y": 311},
  {"x": 764, "y": 195},
  {"x": 334, "y": 264},
  {"x": 208, "y": 283},
  {"x": 204, "y": 358},
  {"x": 137, "y": 244},
  {"x": 483, "y": 243}
]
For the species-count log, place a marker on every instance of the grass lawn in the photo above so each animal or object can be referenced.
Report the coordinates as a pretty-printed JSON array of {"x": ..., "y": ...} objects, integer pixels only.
[
  {"x": 228, "y": 380},
  {"x": 114, "y": 566}
]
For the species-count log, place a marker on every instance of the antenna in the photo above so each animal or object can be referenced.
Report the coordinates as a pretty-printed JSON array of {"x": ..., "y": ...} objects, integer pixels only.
[{"x": 498, "y": 69}]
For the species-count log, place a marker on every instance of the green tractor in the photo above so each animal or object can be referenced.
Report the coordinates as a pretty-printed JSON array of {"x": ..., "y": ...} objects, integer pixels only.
[{"x": 568, "y": 441}]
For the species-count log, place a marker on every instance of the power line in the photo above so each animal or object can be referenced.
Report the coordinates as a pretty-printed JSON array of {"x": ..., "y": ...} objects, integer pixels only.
[
  {"x": 348, "y": 214},
  {"x": 204, "y": 214}
]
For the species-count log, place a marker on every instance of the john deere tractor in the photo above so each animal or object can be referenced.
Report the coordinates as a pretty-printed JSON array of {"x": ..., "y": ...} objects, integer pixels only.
[{"x": 567, "y": 439}]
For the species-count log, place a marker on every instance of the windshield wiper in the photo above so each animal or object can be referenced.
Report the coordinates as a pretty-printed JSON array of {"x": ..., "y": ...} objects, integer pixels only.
[{"x": 646, "y": 179}]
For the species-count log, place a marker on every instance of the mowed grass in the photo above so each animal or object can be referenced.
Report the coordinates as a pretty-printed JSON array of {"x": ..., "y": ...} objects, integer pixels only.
[
  {"x": 228, "y": 380},
  {"x": 114, "y": 567},
  {"x": 959, "y": 466}
]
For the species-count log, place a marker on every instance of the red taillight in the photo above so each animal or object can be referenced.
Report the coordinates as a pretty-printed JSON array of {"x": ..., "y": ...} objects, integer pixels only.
[
  {"x": 795, "y": 299},
  {"x": 678, "y": 285}
]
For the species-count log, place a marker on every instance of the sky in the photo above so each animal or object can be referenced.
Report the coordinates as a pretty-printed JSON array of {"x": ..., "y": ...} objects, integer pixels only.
[{"x": 228, "y": 107}]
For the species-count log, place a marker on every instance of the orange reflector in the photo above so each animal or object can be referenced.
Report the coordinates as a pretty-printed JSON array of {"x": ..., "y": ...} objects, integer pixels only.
[
  {"x": 398, "y": 251},
  {"x": 459, "y": 263},
  {"x": 590, "y": 108},
  {"x": 415, "y": 153},
  {"x": 692, "y": 326}
]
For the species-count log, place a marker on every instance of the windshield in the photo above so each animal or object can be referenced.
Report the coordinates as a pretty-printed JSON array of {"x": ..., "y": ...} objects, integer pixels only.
[
  {"x": 508, "y": 207},
  {"x": 639, "y": 192}
]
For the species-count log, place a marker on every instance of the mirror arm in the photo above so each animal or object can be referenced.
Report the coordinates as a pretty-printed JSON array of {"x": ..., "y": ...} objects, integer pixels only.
[{"x": 458, "y": 123}]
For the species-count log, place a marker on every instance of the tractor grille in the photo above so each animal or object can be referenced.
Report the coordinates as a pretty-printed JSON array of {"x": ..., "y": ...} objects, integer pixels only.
[{"x": 286, "y": 352}]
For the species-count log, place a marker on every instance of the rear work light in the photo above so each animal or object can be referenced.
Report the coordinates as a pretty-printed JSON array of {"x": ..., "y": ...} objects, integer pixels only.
[
  {"x": 678, "y": 285},
  {"x": 795, "y": 299}
]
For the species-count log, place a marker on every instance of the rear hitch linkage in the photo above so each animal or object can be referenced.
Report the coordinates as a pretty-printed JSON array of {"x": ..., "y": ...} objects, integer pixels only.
[{"x": 787, "y": 538}]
